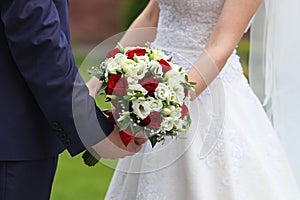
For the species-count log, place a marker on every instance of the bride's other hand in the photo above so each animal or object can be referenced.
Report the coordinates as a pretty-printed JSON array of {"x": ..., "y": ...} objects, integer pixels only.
[{"x": 93, "y": 85}]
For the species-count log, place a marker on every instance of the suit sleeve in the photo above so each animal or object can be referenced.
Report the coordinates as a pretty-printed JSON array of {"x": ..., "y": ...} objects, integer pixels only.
[{"x": 43, "y": 55}]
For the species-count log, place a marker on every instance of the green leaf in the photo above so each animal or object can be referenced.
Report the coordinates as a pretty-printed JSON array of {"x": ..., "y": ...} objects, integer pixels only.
[
  {"x": 186, "y": 78},
  {"x": 137, "y": 95},
  {"x": 132, "y": 98},
  {"x": 127, "y": 97},
  {"x": 165, "y": 104},
  {"x": 151, "y": 57},
  {"x": 189, "y": 119},
  {"x": 103, "y": 87},
  {"x": 120, "y": 47},
  {"x": 95, "y": 73},
  {"x": 153, "y": 140},
  {"x": 124, "y": 124},
  {"x": 193, "y": 83},
  {"x": 111, "y": 96},
  {"x": 134, "y": 129}
]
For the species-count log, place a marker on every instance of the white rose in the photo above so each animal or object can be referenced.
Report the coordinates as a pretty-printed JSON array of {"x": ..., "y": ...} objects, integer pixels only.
[
  {"x": 155, "y": 104},
  {"x": 174, "y": 78},
  {"x": 119, "y": 57},
  {"x": 112, "y": 66},
  {"x": 128, "y": 65},
  {"x": 132, "y": 89},
  {"x": 141, "y": 108},
  {"x": 158, "y": 54},
  {"x": 179, "y": 93},
  {"x": 175, "y": 67},
  {"x": 138, "y": 72},
  {"x": 131, "y": 81},
  {"x": 167, "y": 111},
  {"x": 175, "y": 112},
  {"x": 172, "y": 111},
  {"x": 172, "y": 97},
  {"x": 142, "y": 59},
  {"x": 167, "y": 124},
  {"x": 162, "y": 91},
  {"x": 180, "y": 124},
  {"x": 155, "y": 67}
]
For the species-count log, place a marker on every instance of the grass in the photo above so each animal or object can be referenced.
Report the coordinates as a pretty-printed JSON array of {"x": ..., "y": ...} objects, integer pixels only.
[
  {"x": 75, "y": 181},
  {"x": 243, "y": 52}
]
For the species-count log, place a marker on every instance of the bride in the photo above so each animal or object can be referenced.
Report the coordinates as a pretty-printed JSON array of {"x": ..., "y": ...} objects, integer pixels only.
[{"x": 231, "y": 150}]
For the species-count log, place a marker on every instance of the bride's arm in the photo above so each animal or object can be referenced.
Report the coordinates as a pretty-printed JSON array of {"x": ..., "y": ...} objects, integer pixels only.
[
  {"x": 228, "y": 31},
  {"x": 148, "y": 20}
]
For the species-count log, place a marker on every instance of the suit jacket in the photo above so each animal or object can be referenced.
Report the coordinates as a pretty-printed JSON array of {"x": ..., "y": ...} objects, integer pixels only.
[{"x": 37, "y": 80}]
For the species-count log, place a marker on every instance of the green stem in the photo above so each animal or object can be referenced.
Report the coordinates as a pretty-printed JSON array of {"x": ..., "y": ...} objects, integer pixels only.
[{"x": 90, "y": 157}]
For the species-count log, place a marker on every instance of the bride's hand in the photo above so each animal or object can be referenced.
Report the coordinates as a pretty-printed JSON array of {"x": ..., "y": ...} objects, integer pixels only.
[
  {"x": 140, "y": 138},
  {"x": 94, "y": 85}
]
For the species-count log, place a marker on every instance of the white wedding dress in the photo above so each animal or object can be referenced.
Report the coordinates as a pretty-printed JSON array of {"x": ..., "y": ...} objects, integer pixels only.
[{"x": 231, "y": 151}]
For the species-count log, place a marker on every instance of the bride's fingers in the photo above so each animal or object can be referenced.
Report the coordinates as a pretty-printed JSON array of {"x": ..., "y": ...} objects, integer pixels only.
[
  {"x": 140, "y": 134},
  {"x": 140, "y": 137},
  {"x": 94, "y": 85},
  {"x": 133, "y": 147},
  {"x": 140, "y": 141}
]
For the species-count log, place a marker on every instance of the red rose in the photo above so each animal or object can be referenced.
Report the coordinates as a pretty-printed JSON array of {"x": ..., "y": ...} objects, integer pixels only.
[
  {"x": 186, "y": 92},
  {"x": 184, "y": 111},
  {"x": 155, "y": 120},
  {"x": 165, "y": 65},
  {"x": 138, "y": 52},
  {"x": 126, "y": 137},
  {"x": 110, "y": 115},
  {"x": 117, "y": 85},
  {"x": 150, "y": 84},
  {"x": 112, "y": 53},
  {"x": 146, "y": 121}
]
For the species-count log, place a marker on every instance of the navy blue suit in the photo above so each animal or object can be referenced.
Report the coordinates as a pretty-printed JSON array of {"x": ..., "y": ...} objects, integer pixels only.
[{"x": 37, "y": 75}]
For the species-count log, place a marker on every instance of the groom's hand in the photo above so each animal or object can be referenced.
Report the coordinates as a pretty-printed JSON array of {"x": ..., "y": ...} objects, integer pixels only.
[{"x": 112, "y": 147}]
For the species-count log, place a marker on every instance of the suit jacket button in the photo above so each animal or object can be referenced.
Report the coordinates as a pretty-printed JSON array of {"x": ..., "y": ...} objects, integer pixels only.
[
  {"x": 63, "y": 136},
  {"x": 67, "y": 143},
  {"x": 59, "y": 134},
  {"x": 55, "y": 125},
  {"x": 60, "y": 130}
]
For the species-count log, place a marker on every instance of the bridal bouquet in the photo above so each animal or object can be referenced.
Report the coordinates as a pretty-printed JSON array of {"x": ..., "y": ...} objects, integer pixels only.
[{"x": 147, "y": 91}]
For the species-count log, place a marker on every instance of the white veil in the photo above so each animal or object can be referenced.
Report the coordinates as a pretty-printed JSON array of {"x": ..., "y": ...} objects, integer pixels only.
[{"x": 274, "y": 68}]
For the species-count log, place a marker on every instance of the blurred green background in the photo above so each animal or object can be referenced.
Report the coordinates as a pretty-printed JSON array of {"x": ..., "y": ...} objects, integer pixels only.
[{"x": 74, "y": 180}]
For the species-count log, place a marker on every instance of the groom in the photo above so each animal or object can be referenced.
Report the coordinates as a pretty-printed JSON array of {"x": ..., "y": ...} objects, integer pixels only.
[{"x": 37, "y": 76}]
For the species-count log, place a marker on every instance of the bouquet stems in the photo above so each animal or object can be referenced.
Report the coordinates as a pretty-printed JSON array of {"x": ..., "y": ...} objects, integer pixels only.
[{"x": 90, "y": 157}]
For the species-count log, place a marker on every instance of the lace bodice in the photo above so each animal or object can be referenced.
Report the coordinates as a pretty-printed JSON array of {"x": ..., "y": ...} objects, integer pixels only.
[
  {"x": 185, "y": 26},
  {"x": 187, "y": 23}
]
